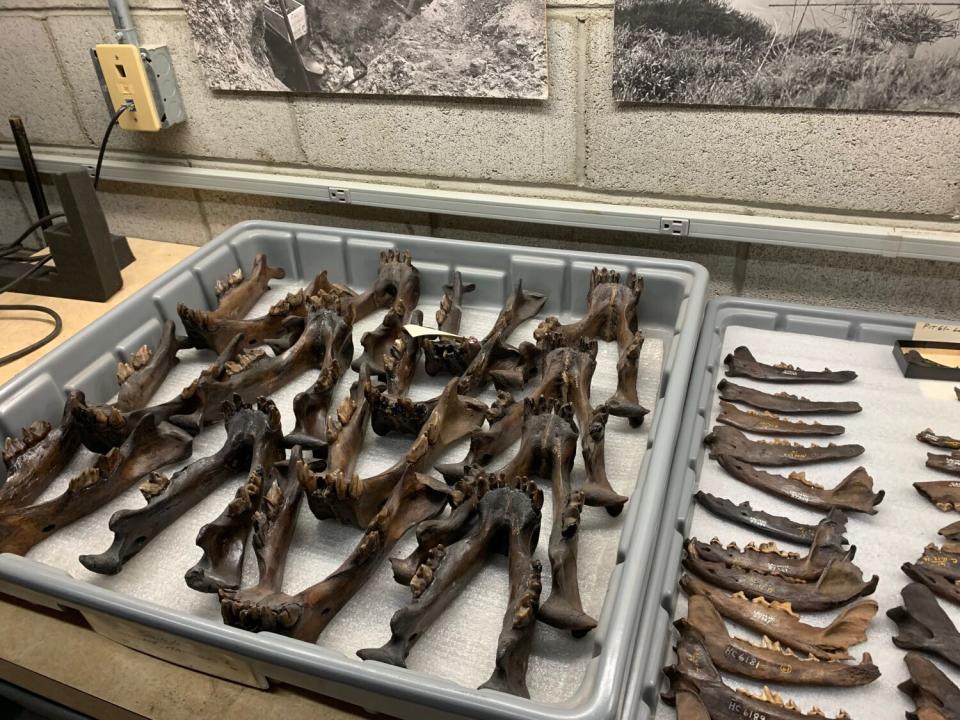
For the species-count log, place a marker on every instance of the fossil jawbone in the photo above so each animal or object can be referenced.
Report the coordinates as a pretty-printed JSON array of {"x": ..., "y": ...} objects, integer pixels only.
[
  {"x": 782, "y": 402},
  {"x": 149, "y": 447},
  {"x": 768, "y": 662},
  {"x": 696, "y": 679},
  {"x": 168, "y": 498},
  {"x": 729, "y": 441},
  {"x": 779, "y": 621},
  {"x": 839, "y": 583},
  {"x": 774, "y": 526},
  {"x": 923, "y": 625},
  {"x": 504, "y": 518},
  {"x": 935, "y": 696},
  {"x": 854, "y": 493},
  {"x": 741, "y": 363},
  {"x": 304, "y": 615}
]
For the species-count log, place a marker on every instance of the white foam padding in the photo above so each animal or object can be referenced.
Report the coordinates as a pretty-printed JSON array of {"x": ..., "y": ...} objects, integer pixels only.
[
  {"x": 461, "y": 645},
  {"x": 895, "y": 409}
]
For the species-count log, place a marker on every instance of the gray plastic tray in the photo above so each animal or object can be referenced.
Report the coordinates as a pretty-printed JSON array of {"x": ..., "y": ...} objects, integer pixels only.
[
  {"x": 654, "y": 634},
  {"x": 671, "y": 310}
]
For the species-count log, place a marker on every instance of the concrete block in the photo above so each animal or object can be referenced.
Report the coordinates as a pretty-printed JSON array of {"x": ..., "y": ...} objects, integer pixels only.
[
  {"x": 719, "y": 257},
  {"x": 869, "y": 162},
  {"x": 154, "y": 212},
  {"x": 86, "y": 4},
  {"x": 31, "y": 85},
  {"x": 224, "y": 210},
  {"x": 142, "y": 211},
  {"x": 848, "y": 280},
  {"x": 13, "y": 215},
  {"x": 521, "y": 141},
  {"x": 223, "y": 125}
]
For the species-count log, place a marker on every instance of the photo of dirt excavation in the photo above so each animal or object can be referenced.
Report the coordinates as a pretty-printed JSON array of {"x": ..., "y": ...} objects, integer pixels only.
[
  {"x": 459, "y": 48},
  {"x": 867, "y": 55}
]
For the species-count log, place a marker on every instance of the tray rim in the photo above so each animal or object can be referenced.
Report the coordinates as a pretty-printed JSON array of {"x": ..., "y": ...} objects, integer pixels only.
[{"x": 604, "y": 695}]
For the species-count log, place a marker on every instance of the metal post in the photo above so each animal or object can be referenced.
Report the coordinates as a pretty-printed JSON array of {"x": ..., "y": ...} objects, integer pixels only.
[
  {"x": 30, "y": 168},
  {"x": 123, "y": 22}
]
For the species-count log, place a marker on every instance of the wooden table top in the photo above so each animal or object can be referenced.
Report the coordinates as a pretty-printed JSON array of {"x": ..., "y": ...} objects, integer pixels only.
[
  {"x": 57, "y": 655},
  {"x": 22, "y": 328}
]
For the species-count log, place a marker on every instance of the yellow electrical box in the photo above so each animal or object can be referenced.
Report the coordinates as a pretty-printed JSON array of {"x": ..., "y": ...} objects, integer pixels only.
[{"x": 126, "y": 79}]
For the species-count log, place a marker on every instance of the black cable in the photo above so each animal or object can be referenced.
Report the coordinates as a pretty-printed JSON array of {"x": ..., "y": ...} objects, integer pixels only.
[
  {"x": 38, "y": 263},
  {"x": 57, "y": 320},
  {"x": 57, "y": 327},
  {"x": 15, "y": 245},
  {"x": 114, "y": 121}
]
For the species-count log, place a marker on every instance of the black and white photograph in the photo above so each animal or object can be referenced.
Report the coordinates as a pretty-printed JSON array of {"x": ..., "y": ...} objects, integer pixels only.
[
  {"x": 458, "y": 48},
  {"x": 867, "y": 55}
]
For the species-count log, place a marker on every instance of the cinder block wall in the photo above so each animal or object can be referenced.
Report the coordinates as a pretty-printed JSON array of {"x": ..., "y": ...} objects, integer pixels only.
[{"x": 578, "y": 144}]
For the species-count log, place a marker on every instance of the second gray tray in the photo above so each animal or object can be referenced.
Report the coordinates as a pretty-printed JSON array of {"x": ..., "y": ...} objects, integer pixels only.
[{"x": 655, "y": 634}]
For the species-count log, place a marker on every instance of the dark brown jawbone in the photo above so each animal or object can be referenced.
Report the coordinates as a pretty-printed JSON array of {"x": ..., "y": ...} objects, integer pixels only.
[
  {"x": 729, "y": 441},
  {"x": 741, "y": 363}
]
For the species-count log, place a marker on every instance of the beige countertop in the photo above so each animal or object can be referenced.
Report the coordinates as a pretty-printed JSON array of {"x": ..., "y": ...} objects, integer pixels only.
[
  {"x": 57, "y": 655},
  {"x": 22, "y": 328}
]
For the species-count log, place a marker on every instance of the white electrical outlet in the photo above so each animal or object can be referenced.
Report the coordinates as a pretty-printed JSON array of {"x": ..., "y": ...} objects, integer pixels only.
[
  {"x": 675, "y": 226},
  {"x": 339, "y": 195},
  {"x": 144, "y": 77}
]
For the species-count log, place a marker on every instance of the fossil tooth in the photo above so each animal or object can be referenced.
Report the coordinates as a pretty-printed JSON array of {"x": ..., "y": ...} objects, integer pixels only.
[{"x": 156, "y": 484}]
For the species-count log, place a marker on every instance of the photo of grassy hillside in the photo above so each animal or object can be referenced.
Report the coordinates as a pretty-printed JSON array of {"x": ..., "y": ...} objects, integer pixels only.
[{"x": 871, "y": 55}]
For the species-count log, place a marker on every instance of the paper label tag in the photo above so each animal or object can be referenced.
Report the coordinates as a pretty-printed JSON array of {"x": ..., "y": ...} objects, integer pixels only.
[
  {"x": 176, "y": 650},
  {"x": 416, "y": 331},
  {"x": 936, "y": 332}
]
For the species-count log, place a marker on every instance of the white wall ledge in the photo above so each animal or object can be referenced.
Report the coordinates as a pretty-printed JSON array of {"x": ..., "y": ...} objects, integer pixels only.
[{"x": 905, "y": 242}]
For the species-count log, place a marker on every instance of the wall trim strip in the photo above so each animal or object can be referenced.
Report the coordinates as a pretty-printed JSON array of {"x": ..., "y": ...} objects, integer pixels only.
[{"x": 905, "y": 242}]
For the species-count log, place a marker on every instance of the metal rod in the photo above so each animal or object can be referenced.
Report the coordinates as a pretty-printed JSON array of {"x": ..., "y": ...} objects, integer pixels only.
[
  {"x": 30, "y": 169},
  {"x": 123, "y": 22}
]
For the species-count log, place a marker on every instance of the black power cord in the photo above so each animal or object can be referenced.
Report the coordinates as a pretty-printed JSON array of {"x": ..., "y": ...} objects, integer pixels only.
[
  {"x": 57, "y": 320},
  {"x": 16, "y": 245},
  {"x": 37, "y": 264},
  {"x": 114, "y": 121}
]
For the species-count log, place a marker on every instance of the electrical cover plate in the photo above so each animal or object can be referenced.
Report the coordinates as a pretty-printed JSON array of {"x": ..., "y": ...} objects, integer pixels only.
[{"x": 125, "y": 76}]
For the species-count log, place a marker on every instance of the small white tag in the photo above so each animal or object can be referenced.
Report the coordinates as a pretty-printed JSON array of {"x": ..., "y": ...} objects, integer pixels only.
[
  {"x": 416, "y": 331},
  {"x": 936, "y": 332}
]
